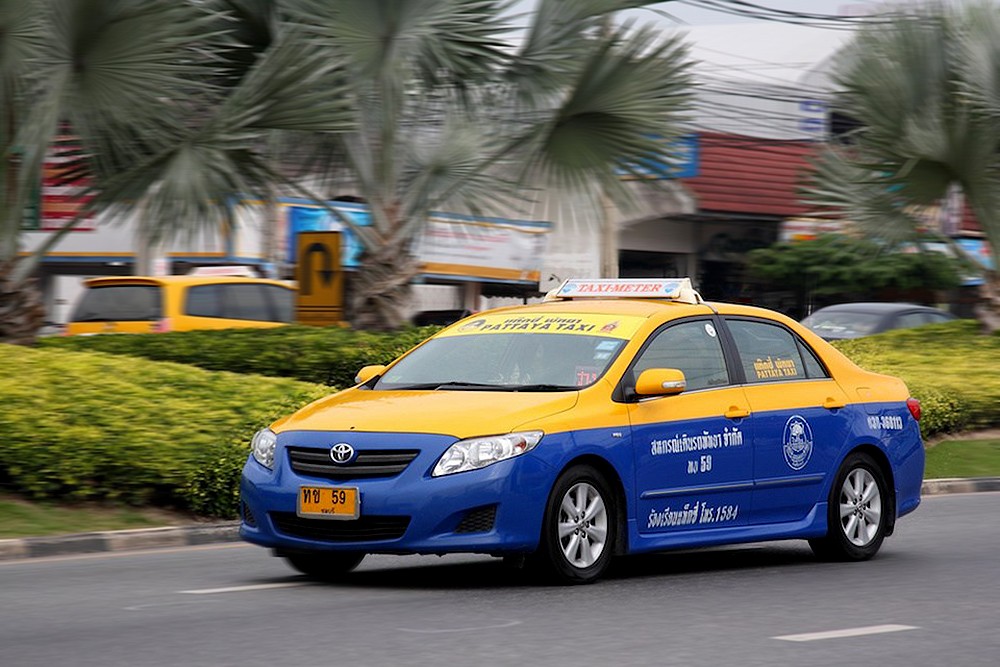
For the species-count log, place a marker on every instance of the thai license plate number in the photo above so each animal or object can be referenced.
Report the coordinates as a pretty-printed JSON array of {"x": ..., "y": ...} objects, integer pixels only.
[{"x": 329, "y": 502}]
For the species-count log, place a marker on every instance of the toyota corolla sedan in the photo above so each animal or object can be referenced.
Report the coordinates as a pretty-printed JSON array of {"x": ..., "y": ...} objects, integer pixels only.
[{"x": 616, "y": 417}]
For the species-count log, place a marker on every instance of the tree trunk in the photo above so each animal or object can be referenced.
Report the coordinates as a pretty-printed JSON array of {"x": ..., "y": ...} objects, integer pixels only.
[
  {"x": 381, "y": 287},
  {"x": 22, "y": 312},
  {"x": 988, "y": 309}
]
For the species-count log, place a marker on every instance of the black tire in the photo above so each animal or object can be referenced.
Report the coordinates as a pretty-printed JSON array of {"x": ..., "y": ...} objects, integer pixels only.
[
  {"x": 858, "y": 534},
  {"x": 325, "y": 565},
  {"x": 582, "y": 555}
]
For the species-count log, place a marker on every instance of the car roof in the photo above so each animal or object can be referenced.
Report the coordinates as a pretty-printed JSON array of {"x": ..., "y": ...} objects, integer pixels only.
[
  {"x": 874, "y": 307},
  {"x": 176, "y": 280},
  {"x": 647, "y": 308}
]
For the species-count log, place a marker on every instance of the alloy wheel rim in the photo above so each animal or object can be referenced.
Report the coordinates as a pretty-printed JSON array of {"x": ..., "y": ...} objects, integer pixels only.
[
  {"x": 583, "y": 525},
  {"x": 860, "y": 507}
]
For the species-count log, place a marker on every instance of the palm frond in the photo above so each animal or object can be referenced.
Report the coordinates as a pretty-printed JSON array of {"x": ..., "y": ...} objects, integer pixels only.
[
  {"x": 444, "y": 171},
  {"x": 863, "y": 196},
  {"x": 625, "y": 102},
  {"x": 979, "y": 45}
]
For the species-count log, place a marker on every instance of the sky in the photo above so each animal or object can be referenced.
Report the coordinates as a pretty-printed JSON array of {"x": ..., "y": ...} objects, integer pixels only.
[{"x": 699, "y": 16}]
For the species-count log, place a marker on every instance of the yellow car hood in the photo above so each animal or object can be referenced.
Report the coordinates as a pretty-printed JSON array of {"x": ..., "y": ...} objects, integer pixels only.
[{"x": 462, "y": 414}]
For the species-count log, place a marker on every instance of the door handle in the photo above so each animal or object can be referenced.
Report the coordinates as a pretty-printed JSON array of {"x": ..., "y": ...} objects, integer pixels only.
[
  {"x": 736, "y": 412},
  {"x": 832, "y": 403}
]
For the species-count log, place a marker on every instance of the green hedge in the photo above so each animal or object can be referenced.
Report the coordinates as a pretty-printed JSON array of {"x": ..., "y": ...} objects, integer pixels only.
[
  {"x": 952, "y": 368},
  {"x": 102, "y": 427},
  {"x": 329, "y": 355}
]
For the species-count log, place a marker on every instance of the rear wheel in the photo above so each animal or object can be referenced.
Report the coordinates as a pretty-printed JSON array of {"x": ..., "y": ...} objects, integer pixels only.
[
  {"x": 325, "y": 565},
  {"x": 579, "y": 528},
  {"x": 857, "y": 514}
]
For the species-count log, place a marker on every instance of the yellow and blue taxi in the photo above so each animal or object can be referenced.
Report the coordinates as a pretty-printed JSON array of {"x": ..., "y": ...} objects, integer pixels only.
[{"x": 616, "y": 417}]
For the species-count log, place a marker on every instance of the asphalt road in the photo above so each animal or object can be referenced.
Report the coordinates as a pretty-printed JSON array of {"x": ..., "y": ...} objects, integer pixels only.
[{"x": 931, "y": 597}]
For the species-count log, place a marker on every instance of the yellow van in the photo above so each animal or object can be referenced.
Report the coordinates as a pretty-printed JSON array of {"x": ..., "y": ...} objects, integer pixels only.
[{"x": 156, "y": 304}]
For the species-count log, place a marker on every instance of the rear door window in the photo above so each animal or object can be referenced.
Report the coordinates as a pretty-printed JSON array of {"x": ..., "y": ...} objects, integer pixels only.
[
  {"x": 245, "y": 302},
  {"x": 117, "y": 303},
  {"x": 282, "y": 302},
  {"x": 204, "y": 301},
  {"x": 771, "y": 353}
]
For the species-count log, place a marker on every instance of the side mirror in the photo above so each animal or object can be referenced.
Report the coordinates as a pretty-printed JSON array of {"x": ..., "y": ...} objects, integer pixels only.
[
  {"x": 368, "y": 372},
  {"x": 660, "y": 382}
]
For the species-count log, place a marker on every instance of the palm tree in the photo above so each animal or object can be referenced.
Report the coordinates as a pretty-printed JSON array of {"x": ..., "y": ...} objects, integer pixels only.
[
  {"x": 412, "y": 106},
  {"x": 451, "y": 116},
  {"x": 925, "y": 92},
  {"x": 166, "y": 108}
]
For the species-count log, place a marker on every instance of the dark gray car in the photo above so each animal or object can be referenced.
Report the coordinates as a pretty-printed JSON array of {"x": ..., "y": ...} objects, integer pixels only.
[{"x": 853, "y": 320}]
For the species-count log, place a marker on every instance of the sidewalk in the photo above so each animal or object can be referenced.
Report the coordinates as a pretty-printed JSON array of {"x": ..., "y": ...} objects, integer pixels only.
[{"x": 191, "y": 535}]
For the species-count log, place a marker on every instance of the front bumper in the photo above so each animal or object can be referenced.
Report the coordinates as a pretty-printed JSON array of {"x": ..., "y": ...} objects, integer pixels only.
[{"x": 496, "y": 510}]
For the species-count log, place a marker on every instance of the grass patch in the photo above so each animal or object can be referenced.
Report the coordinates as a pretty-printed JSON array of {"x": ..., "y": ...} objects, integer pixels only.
[
  {"x": 20, "y": 518},
  {"x": 963, "y": 458}
]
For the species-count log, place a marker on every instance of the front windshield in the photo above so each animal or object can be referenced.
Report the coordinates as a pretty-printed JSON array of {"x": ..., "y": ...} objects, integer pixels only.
[{"x": 505, "y": 362}]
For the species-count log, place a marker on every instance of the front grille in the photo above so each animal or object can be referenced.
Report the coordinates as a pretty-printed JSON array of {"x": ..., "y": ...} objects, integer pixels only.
[
  {"x": 478, "y": 520},
  {"x": 248, "y": 517},
  {"x": 368, "y": 463},
  {"x": 362, "y": 529}
]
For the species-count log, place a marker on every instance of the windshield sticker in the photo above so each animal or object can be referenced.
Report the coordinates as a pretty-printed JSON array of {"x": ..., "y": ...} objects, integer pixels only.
[
  {"x": 775, "y": 367},
  {"x": 601, "y": 356},
  {"x": 797, "y": 442},
  {"x": 710, "y": 330},
  {"x": 608, "y": 326},
  {"x": 587, "y": 375},
  {"x": 607, "y": 345}
]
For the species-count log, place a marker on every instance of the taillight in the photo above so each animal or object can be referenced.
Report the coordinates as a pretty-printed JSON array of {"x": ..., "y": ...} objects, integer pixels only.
[
  {"x": 914, "y": 406},
  {"x": 162, "y": 325}
]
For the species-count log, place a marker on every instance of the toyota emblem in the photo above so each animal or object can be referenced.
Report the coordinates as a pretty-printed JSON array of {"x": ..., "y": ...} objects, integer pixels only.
[{"x": 342, "y": 453}]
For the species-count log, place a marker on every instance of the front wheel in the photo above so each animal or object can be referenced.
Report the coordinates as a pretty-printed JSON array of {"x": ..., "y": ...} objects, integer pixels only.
[
  {"x": 857, "y": 512},
  {"x": 579, "y": 528},
  {"x": 324, "y": 565}
]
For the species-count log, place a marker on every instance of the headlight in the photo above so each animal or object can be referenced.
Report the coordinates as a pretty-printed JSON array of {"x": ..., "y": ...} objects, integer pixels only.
[
  {"x": 262, "y": 445},
  {"x": 476, "y": 453}
]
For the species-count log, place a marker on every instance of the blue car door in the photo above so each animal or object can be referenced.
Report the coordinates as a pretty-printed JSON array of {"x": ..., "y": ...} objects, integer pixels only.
[
  {"x": 801, "y": 420},
  {"x": 693, "y": 451}
]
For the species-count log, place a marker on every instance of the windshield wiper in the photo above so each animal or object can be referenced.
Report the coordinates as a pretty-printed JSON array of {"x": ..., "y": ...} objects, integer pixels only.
[{"x": 451, "y": 385}]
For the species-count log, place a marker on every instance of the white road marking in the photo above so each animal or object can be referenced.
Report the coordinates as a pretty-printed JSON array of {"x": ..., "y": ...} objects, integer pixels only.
[
  {"x": 849, "y": 632},
  {"x": 499, "y": 626},
  {"x": 240, "y": 589}
]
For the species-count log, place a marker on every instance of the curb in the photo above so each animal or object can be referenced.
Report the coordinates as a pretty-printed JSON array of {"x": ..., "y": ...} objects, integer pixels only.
[
  {"x": 193, "y": 535},
  {"x": 119, "y": 540},
  {"x": 937, "y": 487}
]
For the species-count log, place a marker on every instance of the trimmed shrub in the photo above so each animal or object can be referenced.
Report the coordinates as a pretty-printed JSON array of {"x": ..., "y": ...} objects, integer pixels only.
[
  {"x": 327, "y": 355},
  {"x": 101, "y": 427},
  {"x": 952, "y": 368}
]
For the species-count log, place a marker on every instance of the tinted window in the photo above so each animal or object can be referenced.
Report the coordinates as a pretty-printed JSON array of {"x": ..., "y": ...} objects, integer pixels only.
[
  {"x": 204, "y": 301},
  {"x": 917, "y": 319},
  {"x": 691, "y": 347},
  {"x": 841, "y": 324},
  {"x": 282, "y": 301},
  {"x": 245, "y": 302},
  {"x": 814, "y": 369},
  {"x": 767, "y": 352},
  {"x": 119, "y": 303}
]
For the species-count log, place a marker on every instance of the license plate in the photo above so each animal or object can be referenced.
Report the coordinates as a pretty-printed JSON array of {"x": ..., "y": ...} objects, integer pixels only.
[{"x": 329, "y": 502}]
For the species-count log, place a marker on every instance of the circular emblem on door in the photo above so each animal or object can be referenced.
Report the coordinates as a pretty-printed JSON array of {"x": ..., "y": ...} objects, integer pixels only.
[
  {"x": 342, "y": 453},
  {"x": 797, "y": 442}
]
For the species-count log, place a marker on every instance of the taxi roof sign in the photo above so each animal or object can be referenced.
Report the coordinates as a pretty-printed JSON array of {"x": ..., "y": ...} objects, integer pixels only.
[{"x": 672, "y": 289}]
